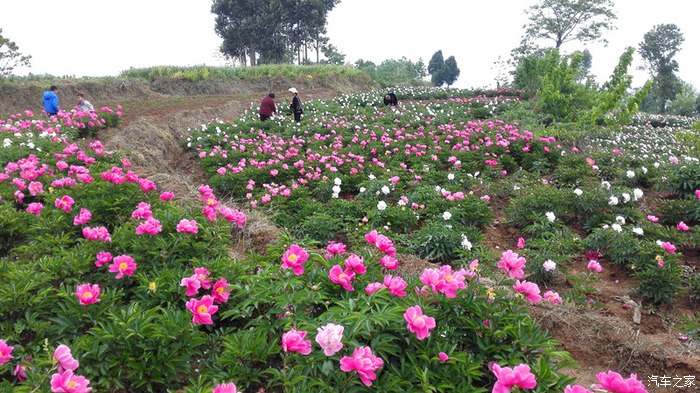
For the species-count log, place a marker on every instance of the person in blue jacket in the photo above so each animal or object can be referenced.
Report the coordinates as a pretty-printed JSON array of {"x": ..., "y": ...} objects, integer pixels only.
[{"x": 50, "y": 101}]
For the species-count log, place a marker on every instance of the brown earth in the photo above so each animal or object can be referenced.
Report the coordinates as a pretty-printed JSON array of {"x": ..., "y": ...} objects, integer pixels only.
[{"x": 599, "y": 336}]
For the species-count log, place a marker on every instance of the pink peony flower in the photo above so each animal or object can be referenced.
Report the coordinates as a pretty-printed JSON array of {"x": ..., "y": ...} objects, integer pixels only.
[
  {"x": 123, "y": 265},
  {"x": 336, "y": 248},
  {"x": 330, "y": 338},
  {"x": 356, "y": 264},
  {"x": 64, "y": 358},
  {"x": 553, "y": 297},
  {"x": 443, "y": 357},
  {"x": 103, "y": 257},
  {"x": 682, "y": 227},
  {"x": 83, "y": 217},
  {"x": 343, "y": 277},
  {"x": 615, "y": 383},
  {"x": 203, "y": 277},
  {"x": 293, "y": 258},
  {"x": 508, "y": 378},
  {"x": 371, "y": 237},
  {"x": 202, "y": 310},
  {"x": 513, "y": 264},
  {"x": 418, "y": 323},
  {"x": 697, "y": 194},
  {"x": 149, "y": 227},
  {"x": 396, "y": 285},
  {"x": 594, "y": 266},
  {"x": 389, "y": 262},
  {"x": 64, "y": 203},
  {"x": 576, "y": 389},
  {"x": 35, "y": 208},
  {"x": 529, "y": 289},
  {"x": 652, "y": 218},
  {"x": 192, "y": 284},
  {"x": 97, "y": 233},
  {"x": 220, "y": 291},
  {"x": 233, "y": 215},
  {"x": 225, "y": 388},
  {"x": 521, "y": 243},
  {"x": 385, "y": 245},
  {"x": 166, "y": 196},
  {"x": 142, "y": 212},
  {"x": 187, "y": 226},
  {"x": 668, "y": 247},
  {"x": 87, "y": 294},
  {"x": 364, "y": 363},
  {"x": 294, "y": 341},
  {"x": 373, "y": 287},
  {"x": 67, "y": 382},
  {"x": 20, "y": 372},
  {"x": 5, "y": 352}
]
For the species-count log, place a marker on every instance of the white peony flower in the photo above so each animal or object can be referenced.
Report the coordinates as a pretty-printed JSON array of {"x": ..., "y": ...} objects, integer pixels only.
[
  {"x": 337, "y": 181},
  {"x": 381, "y": 206},
  {"x": 605, "y": 185},
  {"x": 466, "y": 244},
  {"x": 639, "y": 231},
  {"x": 549, "y": 265},
  {"x": 630, "y": 174},
  {"x": 613, "y": 201},
  {"x": 616, "y": 227},
  {"x": 372, "y": 177},
  {"x": 638, "y": 194},
  {"x": 620, "y": 220},
  {"x": 578, "y": 192},
  {"x": 362, "y": 189},
  {"x": 336, "y": 189},
  {"x": 385, "y": 190},
  {"x": 450, "y": 176},
  {"x": 550, "y": 216},
  {"x": 446, "y": 216},
  {"x": 626, "y": 197}
]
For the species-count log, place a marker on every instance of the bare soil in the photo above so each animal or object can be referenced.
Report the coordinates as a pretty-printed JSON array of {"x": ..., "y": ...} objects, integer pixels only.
[{"x": 600, "y": 336}]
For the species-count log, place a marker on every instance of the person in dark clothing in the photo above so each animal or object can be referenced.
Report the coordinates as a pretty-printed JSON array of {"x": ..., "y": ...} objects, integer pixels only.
[
  {"x": 50, "y": 101},
  {"x": 390, "y": 99},
  {"x": 268, "y": 107},
  {"x": 295, "y": 106}
]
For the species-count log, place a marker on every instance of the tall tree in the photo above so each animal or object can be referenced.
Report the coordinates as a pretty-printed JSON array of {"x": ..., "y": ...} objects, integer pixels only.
[
  {"x": 10, "y": 57},
  {"x": 435, "y": 62},
  {"x": 449, "y": 71},
  {"x": 569, "y": 20},
  {"x": 659, "y": 47}
]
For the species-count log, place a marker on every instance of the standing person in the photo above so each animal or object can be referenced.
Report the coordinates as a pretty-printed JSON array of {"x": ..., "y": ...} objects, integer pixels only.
[
  {"x": 390, "y": 99},
  {"x": 267, "y": 107},
  {"x": 50, "y": 101},
  {"x": 295, "y": 106},
  {"x": 84, "y": 105}
]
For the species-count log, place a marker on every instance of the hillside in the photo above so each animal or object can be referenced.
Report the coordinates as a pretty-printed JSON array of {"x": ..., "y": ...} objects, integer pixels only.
[{"x": 159, "y": 116}]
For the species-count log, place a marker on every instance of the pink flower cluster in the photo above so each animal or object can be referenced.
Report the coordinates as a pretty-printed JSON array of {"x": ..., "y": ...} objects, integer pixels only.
[
  {"x": 444, "y": 281},
  {"x": 65, "y": 380},
  {"x": 203, "y": 309},
  {"x": 513, "y": 264}
]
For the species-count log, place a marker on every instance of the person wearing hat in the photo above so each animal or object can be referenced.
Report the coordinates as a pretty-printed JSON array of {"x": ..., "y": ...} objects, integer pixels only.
[{"x": 295, "y": 106}]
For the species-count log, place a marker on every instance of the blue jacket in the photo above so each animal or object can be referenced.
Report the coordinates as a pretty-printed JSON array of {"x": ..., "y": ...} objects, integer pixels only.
[{"x": 50, "y": 101}]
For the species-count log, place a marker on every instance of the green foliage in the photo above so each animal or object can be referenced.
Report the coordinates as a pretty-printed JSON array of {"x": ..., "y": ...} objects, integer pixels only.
[
  {"x": 10, "y": 57},
  {"x": 436, "y": 242},
  {"x": 561, "y": 96},
  {"x": 393, "y": 72},
  {"x": 660, "y": 284},
  {"x": 658, "y": 48}
]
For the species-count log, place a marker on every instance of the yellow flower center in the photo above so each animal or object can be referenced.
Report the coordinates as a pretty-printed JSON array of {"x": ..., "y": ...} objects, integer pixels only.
[
  {"x": 123, "y": 265},
  {"x": 220, "y": 290},
  {"x": 71, "y": 384},
  {"x": 293, "y": 258},
  {"x": 448, "y": 277},
  {"x": 342, "y": 276},
  {"x": 202, "y": 309},
  {"x": 87, "y": 295}
]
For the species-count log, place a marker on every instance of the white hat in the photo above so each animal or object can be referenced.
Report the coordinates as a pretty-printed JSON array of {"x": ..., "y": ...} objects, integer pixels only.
[{"x": 293, "y": 90}]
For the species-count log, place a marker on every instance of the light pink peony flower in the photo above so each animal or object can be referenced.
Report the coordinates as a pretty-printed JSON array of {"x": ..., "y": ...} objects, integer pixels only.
[
  {"x": 330, "y": 338},
  {"x": 521, "y": 243},
  {"x": 87, "y": 294},
  {"x": 336, "y": 248},
  {"x": 64, "y": 358},
  {"x": 396, "y": 285},
  {"x": 615, "y": 383},
  {"x": 294, "y": 341},
  {"x": 123, "y": 265},
  {"x": 389, "y": 262},
  {"x": 356, "y": 264},
  {"x": 202, "y": 310},
  {"x": 418, "y": 323},
  {"x": 508, "y": 378},
  {"x": 373, "y": 287},
  {"x": 64, "y": 203},
  {"x": 652, "y": 218},
  {"x": 594, "y": 266},
  {"x": 149, "y": 227},
  {"x": 35, "y": 208},
  {"x": 67, "y": 382},
  {"x": 682, "y": 227},
  {"x": 293, "y": 258},
  {"x": 364, "y": 363},
  {"x": 553, "y": 297}
]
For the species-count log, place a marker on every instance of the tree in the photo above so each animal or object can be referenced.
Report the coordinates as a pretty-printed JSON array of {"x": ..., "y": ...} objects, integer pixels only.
[
  {"x": 449, "y": 71},
  {"x": 660, "y": 44},
  {"x": 10, "y": 57},
  {"x": 435, "y": 62},
  {"x": 569, "y": 20},
  {"x": 271, "y": 31}
]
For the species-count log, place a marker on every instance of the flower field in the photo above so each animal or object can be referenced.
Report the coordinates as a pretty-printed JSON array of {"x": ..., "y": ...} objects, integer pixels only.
[{"x": 112, "y": 284}]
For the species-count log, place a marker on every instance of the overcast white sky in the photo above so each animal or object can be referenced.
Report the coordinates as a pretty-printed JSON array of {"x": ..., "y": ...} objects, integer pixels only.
[{"x": 98, "y": 38}]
